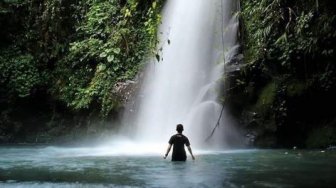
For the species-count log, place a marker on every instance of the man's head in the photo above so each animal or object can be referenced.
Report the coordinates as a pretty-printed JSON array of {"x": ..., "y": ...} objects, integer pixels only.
[{"x": 179, "y": 128}]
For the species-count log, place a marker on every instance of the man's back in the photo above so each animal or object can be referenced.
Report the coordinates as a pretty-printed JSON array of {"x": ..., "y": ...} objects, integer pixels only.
[{"x": 178, "y": 141}]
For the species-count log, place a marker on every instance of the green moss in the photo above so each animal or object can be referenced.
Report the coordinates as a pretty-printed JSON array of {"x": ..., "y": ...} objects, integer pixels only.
[
  {"x": 263, "y": 108},
  {"x": 296, "y": 88},
  {"x": 321, "y": 138},
  {"x": 267, "y": 96}
]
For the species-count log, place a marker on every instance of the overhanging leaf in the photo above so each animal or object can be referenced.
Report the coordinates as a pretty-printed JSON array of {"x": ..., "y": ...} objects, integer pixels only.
[{"x": 110, "y": 58}]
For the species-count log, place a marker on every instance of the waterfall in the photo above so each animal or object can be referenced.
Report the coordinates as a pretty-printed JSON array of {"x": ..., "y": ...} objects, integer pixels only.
[{"x": 197, "y": 38}]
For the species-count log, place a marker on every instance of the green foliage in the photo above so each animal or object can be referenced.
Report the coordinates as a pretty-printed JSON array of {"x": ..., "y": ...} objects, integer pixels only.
[
  {"x": 290, "y": 43},
  {"x": 112, "y": 41},
  {"x": 62, "y": 61},
  {"x": 18, "y": 74},
  {"x": 75, "y": 50},
  {"x": 152, "y": 26},
  {"x": 286, "y": 36},
  {"x": 290, "y": 39}
]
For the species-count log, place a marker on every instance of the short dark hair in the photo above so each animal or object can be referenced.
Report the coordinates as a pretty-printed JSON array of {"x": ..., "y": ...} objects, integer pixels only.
[{"x": 179, "y": 128}]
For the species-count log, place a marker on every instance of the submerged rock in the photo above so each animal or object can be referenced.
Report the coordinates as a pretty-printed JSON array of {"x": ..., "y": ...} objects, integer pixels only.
[{"x": 331, "y": 148}]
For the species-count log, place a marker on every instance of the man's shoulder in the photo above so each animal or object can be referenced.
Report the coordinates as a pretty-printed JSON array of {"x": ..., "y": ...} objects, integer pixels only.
[
  {"x": 173, "y": 136},
  {"x": 184, "y": 136},
  {"x": 179, "y": 136}
]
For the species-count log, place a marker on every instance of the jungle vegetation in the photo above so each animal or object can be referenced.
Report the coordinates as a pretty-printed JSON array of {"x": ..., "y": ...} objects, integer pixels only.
[
  {"x": 60, "y": 59},
  {"x": 62, "y": 62},
  {"x": 285, "y": 92}
]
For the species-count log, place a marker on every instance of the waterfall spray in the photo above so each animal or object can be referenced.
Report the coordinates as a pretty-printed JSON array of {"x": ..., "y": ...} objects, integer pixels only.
[{"x": 183, "y": 87}]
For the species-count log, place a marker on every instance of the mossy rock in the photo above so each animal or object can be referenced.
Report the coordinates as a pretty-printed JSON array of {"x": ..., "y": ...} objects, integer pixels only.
[
  {"x": 266, "y": 97},
  {"x": 296, "y": 88},
  {"x": 268, "y": 140},
  {"x": 321, "y": 137},
  {"x": 263, "y": 116}
]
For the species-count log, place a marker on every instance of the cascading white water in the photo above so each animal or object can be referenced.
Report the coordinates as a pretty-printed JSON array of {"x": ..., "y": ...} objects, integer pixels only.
[{"x": 182, "y": 87}]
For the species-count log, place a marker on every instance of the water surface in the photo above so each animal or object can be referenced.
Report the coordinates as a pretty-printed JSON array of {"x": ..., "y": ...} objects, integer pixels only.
[{"x": 86, "y": 167}]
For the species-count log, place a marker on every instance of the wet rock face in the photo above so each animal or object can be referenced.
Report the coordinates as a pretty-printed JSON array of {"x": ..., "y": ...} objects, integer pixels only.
[
  {"x": 4, "y": 139},
  {"x": 125, "y": 90},
  {"x": 234, "y": 64}
]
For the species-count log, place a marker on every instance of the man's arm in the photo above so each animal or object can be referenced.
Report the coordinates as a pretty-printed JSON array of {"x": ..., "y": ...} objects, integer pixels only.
[
  {"x": 190, "y": 151},
  {"x": 168, "y": 150}
]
